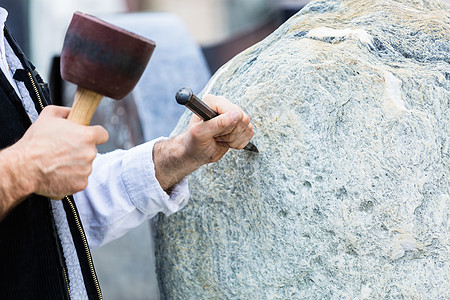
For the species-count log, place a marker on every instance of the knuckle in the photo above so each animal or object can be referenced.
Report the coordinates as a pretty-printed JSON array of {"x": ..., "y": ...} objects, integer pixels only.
[
  {"x": 88, "y": 172},
  {"x": 86, "y": 135},
  {"x": 49, "y": 108},
  {"x": 195, "y": 132},
  {"x": 224, "y": 138},
  {"x": 87, "y": 169},
  {"x": 209, "y": 96},
  {"x": 83, "y": 184},
  {"x": 46, "y": 111},
  {"x": 246, "y": 119},
  {"x": 100, "y": 132},
  {"x": 223, "y": 99},
  {"x": 92, "y": 154},
  {"x": 79, "y": 185},
  {"x": 241, "y": 146},
  {"x": 105, "y": 135},
  {"x": 222, "y": 123},
  {"x": 251, "y": 132},
  {"x": 209, "y": 99},
  {"x": 215, "y": 158},
  {"x": 238, "y": 146}
]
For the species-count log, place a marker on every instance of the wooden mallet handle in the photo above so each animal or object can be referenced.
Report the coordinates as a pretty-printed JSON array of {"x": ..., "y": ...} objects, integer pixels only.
[{"x": 84, "y": 106}]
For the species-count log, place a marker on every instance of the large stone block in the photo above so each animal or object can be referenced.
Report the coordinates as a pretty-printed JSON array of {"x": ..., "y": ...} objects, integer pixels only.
[{"x": 349, "y": 195}]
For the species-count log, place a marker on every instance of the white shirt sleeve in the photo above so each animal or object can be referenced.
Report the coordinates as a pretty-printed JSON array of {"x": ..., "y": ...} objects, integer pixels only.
[{"x": 123, "y": 192}]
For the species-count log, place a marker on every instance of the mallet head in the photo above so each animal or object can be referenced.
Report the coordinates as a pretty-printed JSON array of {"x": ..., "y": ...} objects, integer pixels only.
[{"x": 102, "y": 60}]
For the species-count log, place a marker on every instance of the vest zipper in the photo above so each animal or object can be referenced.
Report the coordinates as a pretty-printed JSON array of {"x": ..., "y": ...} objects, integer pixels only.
[
  {"x": 36, "y": 91},
  {"x": 86, "y": 247},
  {"x": 41, "y": 104},
  {"x": 67, "y": 282},
  {"x": 77, "y": 219}
]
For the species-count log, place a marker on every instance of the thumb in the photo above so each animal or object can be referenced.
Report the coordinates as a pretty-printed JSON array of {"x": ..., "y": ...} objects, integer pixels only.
[
  {"x": 100, "y": 134},
  {"x": 56, "y": 111},
  {"x": 223, "y": 124}
]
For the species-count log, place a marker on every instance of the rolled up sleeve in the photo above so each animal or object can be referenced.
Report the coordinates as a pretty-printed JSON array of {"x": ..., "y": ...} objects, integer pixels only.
[{"x": 123, "y": 192}]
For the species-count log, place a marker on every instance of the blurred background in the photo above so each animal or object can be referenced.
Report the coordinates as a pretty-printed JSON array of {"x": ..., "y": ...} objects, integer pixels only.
[
  {"x": 40, "y": 25},
  {"x": 193, "y": 39}
]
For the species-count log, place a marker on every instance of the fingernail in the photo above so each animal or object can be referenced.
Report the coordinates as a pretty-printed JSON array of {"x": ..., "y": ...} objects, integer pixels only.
[{"x": 235, "y": 116}]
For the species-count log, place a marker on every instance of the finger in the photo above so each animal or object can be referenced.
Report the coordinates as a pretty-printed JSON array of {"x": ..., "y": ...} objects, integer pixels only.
[
  {"x": 223, "y": 144},
  {"x": 241, "y": 126},
  {"x": 195, "y": 119},
  {"x": 244, "y": 141},
  {"x": 219, "y": 104},
  {"x": 241, "y": 140},
  {"x": 222, "y": 106},
  {"x": 56, "y": 111},
  {"x": 99, "y": 134},
  {"x": 56, "y": 197},
  {"x": 220, "y": 125},
  {"x": 236, "y": 135}
]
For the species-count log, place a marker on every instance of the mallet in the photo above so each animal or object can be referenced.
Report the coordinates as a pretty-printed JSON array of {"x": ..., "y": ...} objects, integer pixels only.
[{"x": 102, "y": 60}]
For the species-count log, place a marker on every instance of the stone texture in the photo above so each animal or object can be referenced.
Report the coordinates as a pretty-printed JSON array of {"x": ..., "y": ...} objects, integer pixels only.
[{"x": 349, "y": 196}]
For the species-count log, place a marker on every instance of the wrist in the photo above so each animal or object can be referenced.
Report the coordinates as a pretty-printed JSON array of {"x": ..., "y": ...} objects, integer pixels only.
[
  {"x": 15, "y": 185},
  {"x": 172, "y": 161},
  {"x": 21, "y": 172}
]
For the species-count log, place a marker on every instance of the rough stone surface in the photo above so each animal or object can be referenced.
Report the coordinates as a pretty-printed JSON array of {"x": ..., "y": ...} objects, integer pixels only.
[{"x": 349, "y": 196}]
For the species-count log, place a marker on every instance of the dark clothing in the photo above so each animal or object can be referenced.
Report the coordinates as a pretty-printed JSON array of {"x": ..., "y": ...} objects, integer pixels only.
[{"x": 32, "y": 262}]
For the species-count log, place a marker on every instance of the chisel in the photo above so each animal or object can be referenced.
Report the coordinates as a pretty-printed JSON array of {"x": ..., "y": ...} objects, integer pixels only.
[{"x": 186, "y": 97}]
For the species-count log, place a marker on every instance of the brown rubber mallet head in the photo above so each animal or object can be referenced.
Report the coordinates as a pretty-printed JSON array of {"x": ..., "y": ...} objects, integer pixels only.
[{"x": 102, "y": 60}]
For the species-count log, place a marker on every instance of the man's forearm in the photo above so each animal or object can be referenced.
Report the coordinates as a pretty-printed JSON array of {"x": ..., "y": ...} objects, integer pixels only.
[
  {"x": 14, "y": 184},
  {"x": 172, "y": 164}
]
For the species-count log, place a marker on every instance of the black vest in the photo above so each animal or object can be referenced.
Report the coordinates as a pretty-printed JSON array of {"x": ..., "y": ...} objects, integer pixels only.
[{"x": 32, "y": 264}]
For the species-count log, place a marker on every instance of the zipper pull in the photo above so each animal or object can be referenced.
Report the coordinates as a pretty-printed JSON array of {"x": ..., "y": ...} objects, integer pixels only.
[{"x": 20, "y": 75}]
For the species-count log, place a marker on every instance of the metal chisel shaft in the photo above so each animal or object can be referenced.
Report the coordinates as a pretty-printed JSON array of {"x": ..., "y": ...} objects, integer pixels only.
[{"x": 186, "y": 97}]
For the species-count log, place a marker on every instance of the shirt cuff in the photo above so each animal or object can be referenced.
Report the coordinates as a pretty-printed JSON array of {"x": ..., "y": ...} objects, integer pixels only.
[{"x": 142, "y": 187}]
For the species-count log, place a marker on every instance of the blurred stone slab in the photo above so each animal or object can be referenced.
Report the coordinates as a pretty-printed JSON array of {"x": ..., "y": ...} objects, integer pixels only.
[
  {"x": 126, "y": 267},
  {"x": 176, "y": 62},
  {"x": 349, "y": 196}
]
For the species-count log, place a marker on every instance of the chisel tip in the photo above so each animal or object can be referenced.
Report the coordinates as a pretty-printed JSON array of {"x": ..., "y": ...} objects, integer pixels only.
[{"x": 251, "y": 147}]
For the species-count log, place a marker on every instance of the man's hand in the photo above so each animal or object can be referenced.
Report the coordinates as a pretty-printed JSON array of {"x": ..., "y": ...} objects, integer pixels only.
[
  {"x": 203, "y": 142},
  {"x": 53, "y": 158},
  {"x": 60, "y": 152}
]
